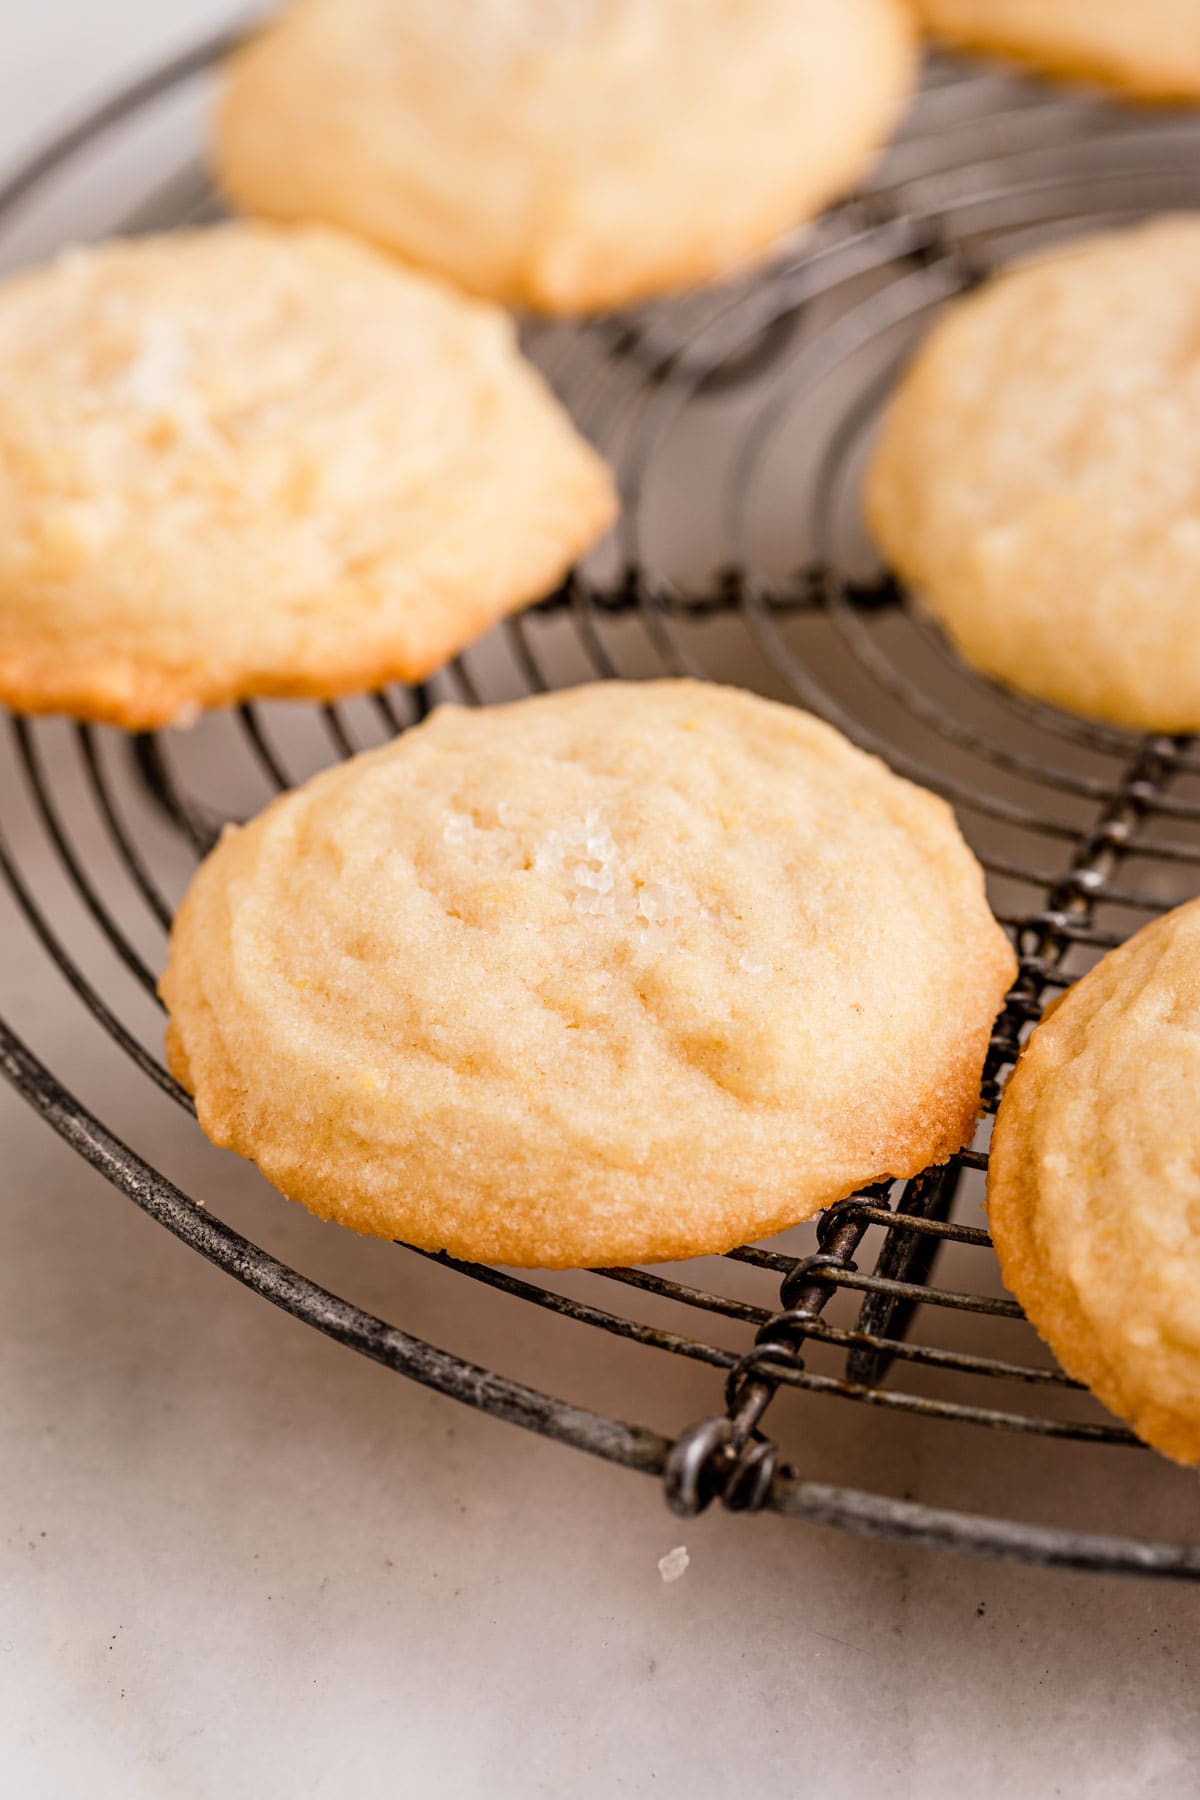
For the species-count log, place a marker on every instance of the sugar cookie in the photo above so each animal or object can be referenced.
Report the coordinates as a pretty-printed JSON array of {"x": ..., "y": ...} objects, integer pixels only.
[
  {"x": 1037, "y": 480},
  {"x": 1150, "y": 49},
  {"x": 630, "y": 972},
  {"x": 563, "y": 154},
  {"x": 255, "y": 460},
  {"x": 1094, "y": 1187}
]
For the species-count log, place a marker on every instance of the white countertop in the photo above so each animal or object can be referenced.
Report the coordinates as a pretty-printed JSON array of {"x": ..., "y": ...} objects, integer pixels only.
[{"x": 237, "y": 1560}]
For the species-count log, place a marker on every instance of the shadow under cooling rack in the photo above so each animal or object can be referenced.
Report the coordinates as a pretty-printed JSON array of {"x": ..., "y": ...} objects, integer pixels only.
[{"x": 738, "y": 420}]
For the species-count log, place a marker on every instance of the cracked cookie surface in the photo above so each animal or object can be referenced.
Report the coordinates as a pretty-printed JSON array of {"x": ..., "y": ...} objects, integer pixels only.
[{"x": 625, "y": 973}]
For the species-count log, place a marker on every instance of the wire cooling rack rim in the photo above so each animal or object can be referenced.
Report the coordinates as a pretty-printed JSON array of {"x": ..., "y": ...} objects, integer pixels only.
[
  {"x": 779, "y": 1487},
  {"x": 630, "y": 1446}
]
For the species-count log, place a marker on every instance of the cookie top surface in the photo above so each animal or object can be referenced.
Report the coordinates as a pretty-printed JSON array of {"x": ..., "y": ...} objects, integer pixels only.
[
  {"x": 564, "y": 154},
  {"x": 256, "y": 460},
  {"x": 1151, "y": 49},
  {"x": 630, "y": 972},
  {"x": 1037, "y": 475},
  {"x": 1094, "y": 1186}
]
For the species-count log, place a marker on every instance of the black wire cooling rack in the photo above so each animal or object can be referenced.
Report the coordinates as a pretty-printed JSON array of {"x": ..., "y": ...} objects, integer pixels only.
[{"x": 737, "y": 419}]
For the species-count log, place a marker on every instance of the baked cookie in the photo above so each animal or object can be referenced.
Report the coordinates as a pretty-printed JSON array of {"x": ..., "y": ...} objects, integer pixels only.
[
  {"x": 1037, "y": 476},
  {"x": 1148, "y": 48},
  {"x": 1094, "y": 1187},
  {"x": 563, "y": 154},
  {"x": 626, "y": 973},
  {"x": 255, "y": 460}
]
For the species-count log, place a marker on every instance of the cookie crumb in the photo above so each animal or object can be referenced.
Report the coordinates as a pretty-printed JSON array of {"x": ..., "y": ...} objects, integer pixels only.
[{"x": 673, "y": 1564}]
